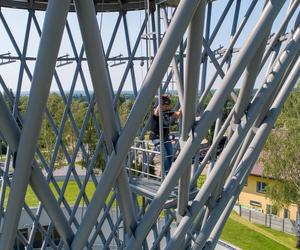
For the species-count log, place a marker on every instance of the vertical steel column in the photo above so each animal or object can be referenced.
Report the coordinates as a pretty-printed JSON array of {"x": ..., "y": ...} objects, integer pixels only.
[
  {"x": 156, "y": 72},
  {"x": 191, "y": 83},
  {"x": 234, "y": 27},
  {"x": 204, "y": 55},
  {"x": 175, "y": 61},
  {"x": 233, "y": 31},
  {"x": 54, "y": 23},
  {"x": 133, "y": 79},
  {"x": 96, "y": 60},
  {"x": 162, "y": 155}
]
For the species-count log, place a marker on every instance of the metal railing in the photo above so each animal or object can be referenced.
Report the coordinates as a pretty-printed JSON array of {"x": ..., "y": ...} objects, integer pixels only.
[{"x": 268, "y": 220}]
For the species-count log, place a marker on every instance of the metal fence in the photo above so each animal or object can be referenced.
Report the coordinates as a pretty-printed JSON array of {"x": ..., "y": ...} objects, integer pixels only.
[{"x": 268, "y": 220}]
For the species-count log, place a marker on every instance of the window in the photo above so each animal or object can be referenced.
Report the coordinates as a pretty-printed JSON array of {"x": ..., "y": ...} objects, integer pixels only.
[
  {"x": 261, "y": 187},
  {"x": 271, "y": 209},
  {"x": 286, "y": 213},
  {"x": 255, "y": 203}
]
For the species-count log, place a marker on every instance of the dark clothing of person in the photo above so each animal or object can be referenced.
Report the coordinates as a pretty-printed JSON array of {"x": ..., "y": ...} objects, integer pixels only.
[
  {"x": 154, "y": 136},
  {"x": 154, "y": 125}
]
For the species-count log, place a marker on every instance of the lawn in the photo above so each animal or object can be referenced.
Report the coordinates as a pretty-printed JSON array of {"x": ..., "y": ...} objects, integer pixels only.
[
  {"x": 246, "y": 238},
  {"x": 70, "y": 195},
  {"x": 237, "y": 230},
  {"x": 71, "y": 192},
  {"x": 246, "y": 235},
  {"x": 288, "y": 239}
]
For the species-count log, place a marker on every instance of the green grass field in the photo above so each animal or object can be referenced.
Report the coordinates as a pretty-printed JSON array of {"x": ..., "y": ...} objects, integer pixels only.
[
  {"x": 246, "y": 238},
  {"x": 246, "y": 235},
  {"x": 237, "y": 230},
  {"x": 70, "y": 195},
  {"x": 288, "y": 239}
]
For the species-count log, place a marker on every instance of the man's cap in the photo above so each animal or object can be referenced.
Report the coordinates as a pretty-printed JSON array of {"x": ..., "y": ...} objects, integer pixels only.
[{"x": 165, "y": 100}]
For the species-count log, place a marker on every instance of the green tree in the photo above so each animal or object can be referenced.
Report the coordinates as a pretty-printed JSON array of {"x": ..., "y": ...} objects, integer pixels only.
[
  {"x": 91, "y": 139},
  {"x": 78, "y": 108},
  {"x": 23, "y": 102},
  {"x": 226, "y": 110},
  {"x": 124, "y": 108},
  {"x": 281, "y": 157},
  {"x": 47, "y": 136}
]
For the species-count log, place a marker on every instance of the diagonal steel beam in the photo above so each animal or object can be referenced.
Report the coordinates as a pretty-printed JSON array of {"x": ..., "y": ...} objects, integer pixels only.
[
  {"x": 155, "y": 75},
  {"x": 206, "y": 120},
  {"x": 100, "y": 79},
  {"x": 233, "y": 188},
  {"x": 49, "y": 45},
  {"x": 191, "y": 83},
  {"x": 133, "y": 79},
  {"x": 256, "y": 144},
  {"x": 55, "y": 130},
  {"x": 21, "y": 70},
  {"x": 31, "y": 216},
  {"x": 94, "y": 50},
  {"x": 79, "y": 135},
  {"x": 267, "y": 53},
  {"x": 59, "y": 132},
  {"x": 175, "y": 61},
  {"x": 41, "y": 158},
  {"x": 228, "y": 52},
  {"x": 130, "y": 61},
  {"x": 280, "y": 31},
  {"x": 39, "y": 185},
  {"x": 244, "y": 97},
  {"x": 227, "y": 154}
]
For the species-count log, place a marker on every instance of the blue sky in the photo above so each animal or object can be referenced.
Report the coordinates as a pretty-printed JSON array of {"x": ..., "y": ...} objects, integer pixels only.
[{"x": 17, "y": 20}]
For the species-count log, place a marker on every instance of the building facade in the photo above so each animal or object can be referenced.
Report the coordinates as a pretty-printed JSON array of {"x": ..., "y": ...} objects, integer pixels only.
[{"x": 253, "y": 195}]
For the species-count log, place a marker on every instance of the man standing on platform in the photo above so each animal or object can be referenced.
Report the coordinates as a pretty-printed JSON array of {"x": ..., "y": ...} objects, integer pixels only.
[{"x": 154, "y": 130}]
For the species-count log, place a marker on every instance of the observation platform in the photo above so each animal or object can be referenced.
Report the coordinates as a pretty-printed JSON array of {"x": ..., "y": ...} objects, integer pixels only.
[
  {"x": 100, "y": 5},
  {"x": 149, "y": 187}
]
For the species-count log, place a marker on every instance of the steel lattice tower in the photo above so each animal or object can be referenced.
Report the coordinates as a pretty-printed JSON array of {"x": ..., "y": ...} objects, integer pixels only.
[{"x": 260, "y": 50}]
